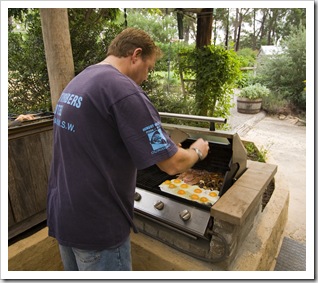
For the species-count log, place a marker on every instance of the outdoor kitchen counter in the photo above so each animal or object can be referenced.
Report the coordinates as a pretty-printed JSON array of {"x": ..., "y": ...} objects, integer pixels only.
[
  {"x": 237, "y": 202},
  {"x": 257, "y": 251}
]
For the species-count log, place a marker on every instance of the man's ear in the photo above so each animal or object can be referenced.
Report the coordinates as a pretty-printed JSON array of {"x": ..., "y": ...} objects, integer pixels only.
[{"x": 137, "y": 53}]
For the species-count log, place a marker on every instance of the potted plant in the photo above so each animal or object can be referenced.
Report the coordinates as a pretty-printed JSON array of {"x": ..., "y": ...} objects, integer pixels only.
[{"x": 249, "y": 100}]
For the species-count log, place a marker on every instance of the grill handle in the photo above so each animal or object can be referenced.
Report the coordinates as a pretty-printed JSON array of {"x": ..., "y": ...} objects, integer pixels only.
[{"x": 211, "y": 120}]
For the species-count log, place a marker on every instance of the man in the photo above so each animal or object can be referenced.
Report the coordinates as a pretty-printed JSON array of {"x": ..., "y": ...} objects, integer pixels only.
[{"x": 105, "y": 128}]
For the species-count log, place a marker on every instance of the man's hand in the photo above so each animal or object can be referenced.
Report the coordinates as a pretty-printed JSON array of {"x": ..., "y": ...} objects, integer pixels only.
[{"x": 25, "y": 117}]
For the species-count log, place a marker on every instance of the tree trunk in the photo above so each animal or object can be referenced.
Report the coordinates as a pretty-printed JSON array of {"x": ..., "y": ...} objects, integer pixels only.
[
  {"x": 186, "y": 33},
  {"x": 227, "y": 29},
  {"x": 237, "y": 43},
  {"x": 270, "y": 26},
  {"x": 204, "y": 35},
  {"x": 241, "y": 16},
  {"x": 262, "y": 28},
  {"x": 239, "y": 25},
  {"x": 235, "y": 25},
  {"x": 204, "y": 29},
  {"x": 58, "y": 50},
  {"x": 254, "y": 30}
]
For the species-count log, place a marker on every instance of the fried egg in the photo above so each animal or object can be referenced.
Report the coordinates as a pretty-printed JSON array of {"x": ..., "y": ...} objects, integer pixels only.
[
  {"x": 213, "y": 194},
  {"x": 184, "y": 186},
  {"x": 198, "y": 191},
  {"x": 172, "y": 186},
  {"x": 191, "y": 192},
  {"x": 176, "y": 181},
  {"x": 181, "y": 192},
  {"x": 204, "y": 199},
  {"x": 194, "y": 197},
  {"x": 168, "y": 186}
]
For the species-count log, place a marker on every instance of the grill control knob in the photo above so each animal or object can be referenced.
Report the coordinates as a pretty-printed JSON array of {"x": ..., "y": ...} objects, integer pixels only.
[
  {"x": 137, "y": 196},
  {"x": 159, "y": 205},
  {"x": 185, "y": 215}
]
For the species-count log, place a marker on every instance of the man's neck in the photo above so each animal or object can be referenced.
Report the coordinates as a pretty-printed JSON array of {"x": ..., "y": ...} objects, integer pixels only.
[{"x": 121, "y": 64}]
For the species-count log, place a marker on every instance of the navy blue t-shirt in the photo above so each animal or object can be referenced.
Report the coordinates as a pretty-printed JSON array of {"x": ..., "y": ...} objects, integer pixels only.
[{"x": 105, "y": 128}]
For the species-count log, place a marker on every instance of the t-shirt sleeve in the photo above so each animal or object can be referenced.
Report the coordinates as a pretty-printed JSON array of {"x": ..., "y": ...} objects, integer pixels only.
[{"x": 140, "y": 128}]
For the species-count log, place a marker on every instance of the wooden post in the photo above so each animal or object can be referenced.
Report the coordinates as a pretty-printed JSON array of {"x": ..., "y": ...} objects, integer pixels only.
[
  {"x": 204, "y": 29},
  {"x": 58, "y": 50}
]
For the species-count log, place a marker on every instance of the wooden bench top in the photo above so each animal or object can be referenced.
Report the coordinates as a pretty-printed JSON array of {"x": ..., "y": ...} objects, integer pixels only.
[{"x": 235, "y": 205}]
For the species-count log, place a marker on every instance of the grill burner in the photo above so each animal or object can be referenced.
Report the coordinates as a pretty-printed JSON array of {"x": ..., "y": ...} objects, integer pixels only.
[{"x": 150, "y": 178}]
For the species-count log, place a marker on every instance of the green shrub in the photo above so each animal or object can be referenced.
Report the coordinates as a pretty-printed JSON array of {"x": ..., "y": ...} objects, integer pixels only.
[
  {"x": 28, "y": 82},
  {"x": 254, "y": 91},
  {"x": 247, "y": 57},
  {"x": 247, "y": 78},
  {"x": 284, "y": 74},
  {"x": 215, "y": 71}
]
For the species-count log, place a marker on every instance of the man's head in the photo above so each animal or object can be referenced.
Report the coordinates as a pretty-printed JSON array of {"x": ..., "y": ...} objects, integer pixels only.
[
  {"x": 135, "y": 54},
  {"x": 124, "y": 44}
]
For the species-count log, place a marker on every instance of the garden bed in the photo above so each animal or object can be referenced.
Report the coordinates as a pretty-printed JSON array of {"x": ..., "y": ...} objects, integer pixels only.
[{"x": 254, "y": 154}]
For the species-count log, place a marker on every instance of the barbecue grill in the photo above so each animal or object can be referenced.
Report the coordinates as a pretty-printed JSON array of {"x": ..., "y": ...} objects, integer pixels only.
[{"x": 184, "y": 224}]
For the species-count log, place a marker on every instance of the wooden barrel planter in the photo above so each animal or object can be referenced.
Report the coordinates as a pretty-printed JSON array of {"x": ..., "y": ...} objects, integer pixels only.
[{"x": 248, "y": 106}]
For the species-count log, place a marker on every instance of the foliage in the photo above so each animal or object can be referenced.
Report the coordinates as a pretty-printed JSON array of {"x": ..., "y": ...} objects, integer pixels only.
[
  {"x": 28, "y": 83},
  {"x": 273, "y": 105},
  {"x": 166, "y": 97},
  {"x": 254, "y": 91},
  {"x": 17, "y": 13},
  {"x": 215, "y": 71},
  {"x": 255, "y": 154},
  {"x": 247, "y": 78},
  {"x": 170, "y": 56},
  {"x": 261, "y": 26},
  {"x": 170, "y": 101},
  {"x": 247, "y": 57},
  {"x": 91, "y": 32},
  {"x": 285, "y": 74},
  {"x": 162, "y": 27}
]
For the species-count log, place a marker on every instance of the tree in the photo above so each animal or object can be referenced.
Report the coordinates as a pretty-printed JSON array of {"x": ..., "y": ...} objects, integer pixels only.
[
  {"x": 160, "y": 24},
  {"x": 204, "y": 21},
  {"x": 91, "y": 32},
  {"x": 285, "y": 74},
  {"x": 240, "y": 14},
  {"x": 58, "y": 50}
]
